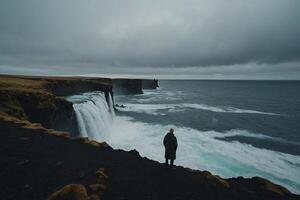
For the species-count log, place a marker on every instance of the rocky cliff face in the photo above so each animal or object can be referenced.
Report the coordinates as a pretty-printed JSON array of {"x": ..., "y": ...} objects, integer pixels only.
[
  {"x": 133, "y": 86},
  {"x": 37, "y": 99},
  {"x": 149, "y": 84},
  {"x": 127, "y": 86},
  {"x": 38, "y": 107},
  {"x": 40, "y": 99},
  {"x": 76, "y": 86}
]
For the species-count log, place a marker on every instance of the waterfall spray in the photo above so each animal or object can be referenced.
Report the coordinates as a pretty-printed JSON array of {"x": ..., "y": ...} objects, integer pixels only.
[{"x": 111, "y": 106}]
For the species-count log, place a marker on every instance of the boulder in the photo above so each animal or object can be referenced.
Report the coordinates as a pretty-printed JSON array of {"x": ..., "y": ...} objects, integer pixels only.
[
  {"x": 70, "y": 192},
  {"x": 215, "y": 180},
  {"x": 101, "y": 175}
]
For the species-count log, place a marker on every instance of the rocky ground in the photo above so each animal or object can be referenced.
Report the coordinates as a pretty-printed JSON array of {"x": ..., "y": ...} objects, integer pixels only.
[{"x": 38, "y": 163}]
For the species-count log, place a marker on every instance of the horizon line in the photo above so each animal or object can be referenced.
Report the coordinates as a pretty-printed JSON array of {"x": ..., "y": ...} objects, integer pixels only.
[{"x": 142, "y": 76}]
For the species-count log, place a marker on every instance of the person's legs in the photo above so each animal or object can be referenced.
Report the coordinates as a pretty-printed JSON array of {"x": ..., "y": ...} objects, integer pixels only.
[
  {"x": 172, "y": 163},
  {"x": 167, "y": 162}
]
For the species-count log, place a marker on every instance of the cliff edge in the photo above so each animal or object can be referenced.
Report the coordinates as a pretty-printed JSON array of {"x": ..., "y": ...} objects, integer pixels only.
[
  {"x": 39, "y": 163},
  {"x": 40, "y": 99}
]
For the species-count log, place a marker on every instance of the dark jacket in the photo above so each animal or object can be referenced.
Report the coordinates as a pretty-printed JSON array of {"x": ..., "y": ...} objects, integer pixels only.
[{"x": 170, "y": 143}]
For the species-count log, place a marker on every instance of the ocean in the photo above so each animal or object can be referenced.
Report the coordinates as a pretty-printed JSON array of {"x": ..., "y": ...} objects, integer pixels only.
[{"x": 230, "y": 128}]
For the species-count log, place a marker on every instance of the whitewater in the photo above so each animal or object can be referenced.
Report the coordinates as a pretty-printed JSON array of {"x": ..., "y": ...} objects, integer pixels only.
[{"x": 223, "y": 150}]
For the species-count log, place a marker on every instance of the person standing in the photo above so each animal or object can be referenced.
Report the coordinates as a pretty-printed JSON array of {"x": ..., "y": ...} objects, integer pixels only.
[{"x": 170, "y": 143}]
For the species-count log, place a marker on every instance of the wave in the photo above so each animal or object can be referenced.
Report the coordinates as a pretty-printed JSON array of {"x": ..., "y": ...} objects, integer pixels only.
[
  {"x": 245, "y": 133},
  {"x": 147, "y": 108},
  {"x": 154, "y": 108},
  {"x": 157, "y": 95},
  {"x": 202, "y": 150},
  {"x": 239, "y": 132},
  {"x": 225, "y": 109},
  {"x": 158, "y": 109}
]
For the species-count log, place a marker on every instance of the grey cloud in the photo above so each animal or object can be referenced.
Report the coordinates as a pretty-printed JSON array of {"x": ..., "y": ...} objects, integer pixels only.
[{"x": 101, "y": 35}]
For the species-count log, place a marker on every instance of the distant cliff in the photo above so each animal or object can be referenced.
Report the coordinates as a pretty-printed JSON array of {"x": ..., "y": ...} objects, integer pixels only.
[
  {"x": 127, "y": 86},
  {"x": 71, "y": 86},
  {"x": 149, "y": 84},
  {"x": 133, "y": 86}
]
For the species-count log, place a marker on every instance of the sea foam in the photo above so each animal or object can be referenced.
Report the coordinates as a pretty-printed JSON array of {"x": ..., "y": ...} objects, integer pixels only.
[
  {"x": 225, "y": 109},
  {"x": 202, "y": 150},
  {"x": 155, "y": 108}
]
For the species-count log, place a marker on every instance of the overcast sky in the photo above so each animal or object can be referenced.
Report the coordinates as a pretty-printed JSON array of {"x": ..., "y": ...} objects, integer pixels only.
[{"x": 243, "y": 39}]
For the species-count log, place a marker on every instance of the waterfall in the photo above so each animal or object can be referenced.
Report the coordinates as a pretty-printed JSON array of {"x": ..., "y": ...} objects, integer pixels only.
[
  {"x": 111, "y": 105},
  {"x": 93, "y": 114}
]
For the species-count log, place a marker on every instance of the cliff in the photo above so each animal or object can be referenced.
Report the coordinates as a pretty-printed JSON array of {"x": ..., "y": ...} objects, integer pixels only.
[
  {"x": 39, "y": 99},
  {"x": 149, "y": 84},
  {"x": 127, "y": 86},
  {"x": 39, "y": 162},
  {"x": 133, "y": 86}
]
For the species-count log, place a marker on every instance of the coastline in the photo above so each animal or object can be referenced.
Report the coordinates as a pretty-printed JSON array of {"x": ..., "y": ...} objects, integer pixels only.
[{"x": 37, "y": 151}]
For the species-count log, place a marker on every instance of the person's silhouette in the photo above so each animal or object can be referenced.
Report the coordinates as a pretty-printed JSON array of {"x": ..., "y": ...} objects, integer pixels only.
[{"x": 170, "y": 143}]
